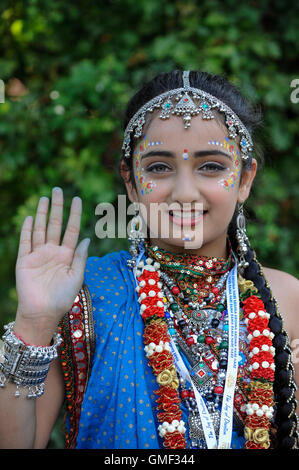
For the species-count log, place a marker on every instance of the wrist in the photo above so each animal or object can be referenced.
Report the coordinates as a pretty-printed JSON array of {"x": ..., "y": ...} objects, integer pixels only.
[
  {"x": 26, "y": 365},
  {"x": 37, "y": 331},
  {"x": 30, "y": 344}
]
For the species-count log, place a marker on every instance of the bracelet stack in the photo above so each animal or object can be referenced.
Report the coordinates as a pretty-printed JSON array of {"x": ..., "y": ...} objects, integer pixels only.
[{"x": 26, "y": 365}]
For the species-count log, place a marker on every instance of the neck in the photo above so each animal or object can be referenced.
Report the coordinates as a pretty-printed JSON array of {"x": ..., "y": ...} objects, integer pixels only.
[
  {"x": 214, "y": 249},
  {"x": 194, "y": 265},
  {"x": 193, "y": 275}
]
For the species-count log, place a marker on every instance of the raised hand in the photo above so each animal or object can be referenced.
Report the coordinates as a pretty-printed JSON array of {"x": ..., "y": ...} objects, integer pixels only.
[{"x": 49, "y": 275}]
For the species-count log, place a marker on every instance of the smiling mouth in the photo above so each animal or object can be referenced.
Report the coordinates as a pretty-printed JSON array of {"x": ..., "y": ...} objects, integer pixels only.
[{"x": 189, "y": 218}]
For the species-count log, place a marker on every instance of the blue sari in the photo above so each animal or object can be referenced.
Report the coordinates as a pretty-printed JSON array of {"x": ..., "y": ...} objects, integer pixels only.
[{"x": 118, "y": 408}]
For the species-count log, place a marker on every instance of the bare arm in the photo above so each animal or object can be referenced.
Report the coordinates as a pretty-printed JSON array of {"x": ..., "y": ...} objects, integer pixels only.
[
  {"x": 285, "y": 288},
  {"x": 49, "y": 405},
  {"x": 48, "y": 278},
  {"x": 28, "y": 423}
]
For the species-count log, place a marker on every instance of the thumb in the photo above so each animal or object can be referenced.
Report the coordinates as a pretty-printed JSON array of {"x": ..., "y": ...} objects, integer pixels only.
[{"x": 80, "y": 256}]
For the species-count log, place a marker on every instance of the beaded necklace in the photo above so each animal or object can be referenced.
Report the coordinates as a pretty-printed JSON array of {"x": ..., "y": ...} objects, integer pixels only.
[{"x": 167, "y": 311}]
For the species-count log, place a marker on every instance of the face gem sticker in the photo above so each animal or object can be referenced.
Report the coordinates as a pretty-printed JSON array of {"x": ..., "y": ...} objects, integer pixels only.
[
  {"x": 187, "y": 238},
  {"x": 144, "y": 186},
  {"x": 185, "y": 154},
  {"x": 231, "y": 147}
]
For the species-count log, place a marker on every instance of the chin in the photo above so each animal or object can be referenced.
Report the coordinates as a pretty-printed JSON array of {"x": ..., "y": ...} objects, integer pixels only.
[
  {"x": 179, "y": 244},
  {"x": 201, "y": 244}
]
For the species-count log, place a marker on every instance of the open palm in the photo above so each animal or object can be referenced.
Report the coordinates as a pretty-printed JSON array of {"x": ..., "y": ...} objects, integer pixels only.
[{"x": 50, "y": 275}]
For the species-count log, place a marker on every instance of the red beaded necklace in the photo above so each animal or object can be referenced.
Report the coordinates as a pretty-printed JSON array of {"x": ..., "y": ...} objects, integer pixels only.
[{"x": 259, "y": 409}]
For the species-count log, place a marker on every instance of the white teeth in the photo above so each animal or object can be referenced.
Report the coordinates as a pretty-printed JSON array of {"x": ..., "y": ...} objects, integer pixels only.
[{"x": 187, "y": 215}]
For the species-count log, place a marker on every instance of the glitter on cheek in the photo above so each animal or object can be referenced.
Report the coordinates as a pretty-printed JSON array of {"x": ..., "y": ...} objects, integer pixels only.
[
  {"x": 145, "y": 186},
  {"x": 230, "y": 146}
]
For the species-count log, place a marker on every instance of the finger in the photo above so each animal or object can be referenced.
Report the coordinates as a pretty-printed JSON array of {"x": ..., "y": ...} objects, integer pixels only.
[
  {"x": 40, "y": 223},
  {"x": 72, "y": 230},
  {"x": 25, "y": 237},
  {"x": 80, "y": 256},
  {"x": 56, "y": 217}
]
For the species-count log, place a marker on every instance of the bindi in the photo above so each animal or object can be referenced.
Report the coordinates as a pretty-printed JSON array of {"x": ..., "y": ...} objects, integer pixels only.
[{"x": 185, "y": 154}]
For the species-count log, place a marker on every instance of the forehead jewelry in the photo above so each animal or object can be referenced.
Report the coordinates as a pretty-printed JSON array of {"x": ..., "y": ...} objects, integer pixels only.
[{"x": 181, "y": 102}]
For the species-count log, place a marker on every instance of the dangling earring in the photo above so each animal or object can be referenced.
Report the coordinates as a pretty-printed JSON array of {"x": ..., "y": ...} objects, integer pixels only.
[
  {"x": 136, "y": 237},
  {"x": 242, "y": 239}
]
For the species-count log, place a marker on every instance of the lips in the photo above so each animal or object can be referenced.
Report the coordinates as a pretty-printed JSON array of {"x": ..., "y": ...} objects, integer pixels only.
[{"x": 189, "y": 218}]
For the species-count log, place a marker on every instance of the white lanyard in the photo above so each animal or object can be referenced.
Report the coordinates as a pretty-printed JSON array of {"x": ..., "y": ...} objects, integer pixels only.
[
  {"x": 226, "y": 422},
  {"x": 142, "y": 250},
  {"x": 233, "y": 307}
]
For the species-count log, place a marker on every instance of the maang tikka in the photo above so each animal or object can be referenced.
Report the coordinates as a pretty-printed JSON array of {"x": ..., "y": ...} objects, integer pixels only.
[{"x": 187, "y": 102}]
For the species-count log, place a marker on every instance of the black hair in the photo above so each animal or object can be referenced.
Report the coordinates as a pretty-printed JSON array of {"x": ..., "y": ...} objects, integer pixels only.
[{"x": 284, "y": 387}]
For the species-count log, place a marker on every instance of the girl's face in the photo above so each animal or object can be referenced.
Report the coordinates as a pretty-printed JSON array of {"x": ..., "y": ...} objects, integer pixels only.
[{"x": 194, "y": 176}]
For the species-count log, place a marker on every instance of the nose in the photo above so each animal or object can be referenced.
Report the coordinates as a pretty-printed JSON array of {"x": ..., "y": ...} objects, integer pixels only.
[{"x": 185, "y": 188}]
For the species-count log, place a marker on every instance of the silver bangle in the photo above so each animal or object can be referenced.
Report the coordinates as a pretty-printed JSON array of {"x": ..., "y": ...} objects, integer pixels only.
[{"x": 26, "y": 366}]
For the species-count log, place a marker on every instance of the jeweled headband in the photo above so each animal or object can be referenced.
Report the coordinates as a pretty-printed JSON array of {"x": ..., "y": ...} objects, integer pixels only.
[{"x": 186, "y": 108}]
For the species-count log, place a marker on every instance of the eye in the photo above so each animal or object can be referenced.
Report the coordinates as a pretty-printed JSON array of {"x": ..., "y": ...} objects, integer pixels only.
[
  {"x": 212, "y": 166},
  {"x": 157, "y": 168}
]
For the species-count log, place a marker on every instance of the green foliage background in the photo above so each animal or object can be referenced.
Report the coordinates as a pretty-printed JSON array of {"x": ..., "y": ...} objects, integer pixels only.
[{"x": 69, "y": 69}]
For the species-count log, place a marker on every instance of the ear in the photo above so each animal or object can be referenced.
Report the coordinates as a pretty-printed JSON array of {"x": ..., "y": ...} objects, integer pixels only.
[
  {"x": 246, "y": 182},
  {"x": 125, "y": 174}
]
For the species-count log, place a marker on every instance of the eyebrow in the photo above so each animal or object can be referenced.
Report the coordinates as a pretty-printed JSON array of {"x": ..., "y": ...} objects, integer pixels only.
[{"x": 198, "y": 153}]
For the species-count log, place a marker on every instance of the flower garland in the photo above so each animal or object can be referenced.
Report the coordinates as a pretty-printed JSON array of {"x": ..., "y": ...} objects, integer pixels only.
[
  {"x": 157, "y": 339},
  {"x": 259, "y": 409}
]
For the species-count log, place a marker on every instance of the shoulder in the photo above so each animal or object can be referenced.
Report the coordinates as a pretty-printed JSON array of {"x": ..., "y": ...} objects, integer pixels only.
[
  {"x": 115, "y": 261},
  {"x": 285, "y": 289},
  {"x": 105, "y": 275},
  {"x": 283, "y": 284},
  {"x": 285, "y": 279}
]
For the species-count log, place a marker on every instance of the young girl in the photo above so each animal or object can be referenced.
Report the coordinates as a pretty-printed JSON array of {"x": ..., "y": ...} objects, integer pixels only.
[{"x": 183, "y": 342}]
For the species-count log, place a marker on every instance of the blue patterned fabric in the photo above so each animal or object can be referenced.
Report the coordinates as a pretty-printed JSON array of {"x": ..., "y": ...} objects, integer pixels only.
[{"x": 119, "y": 410}]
